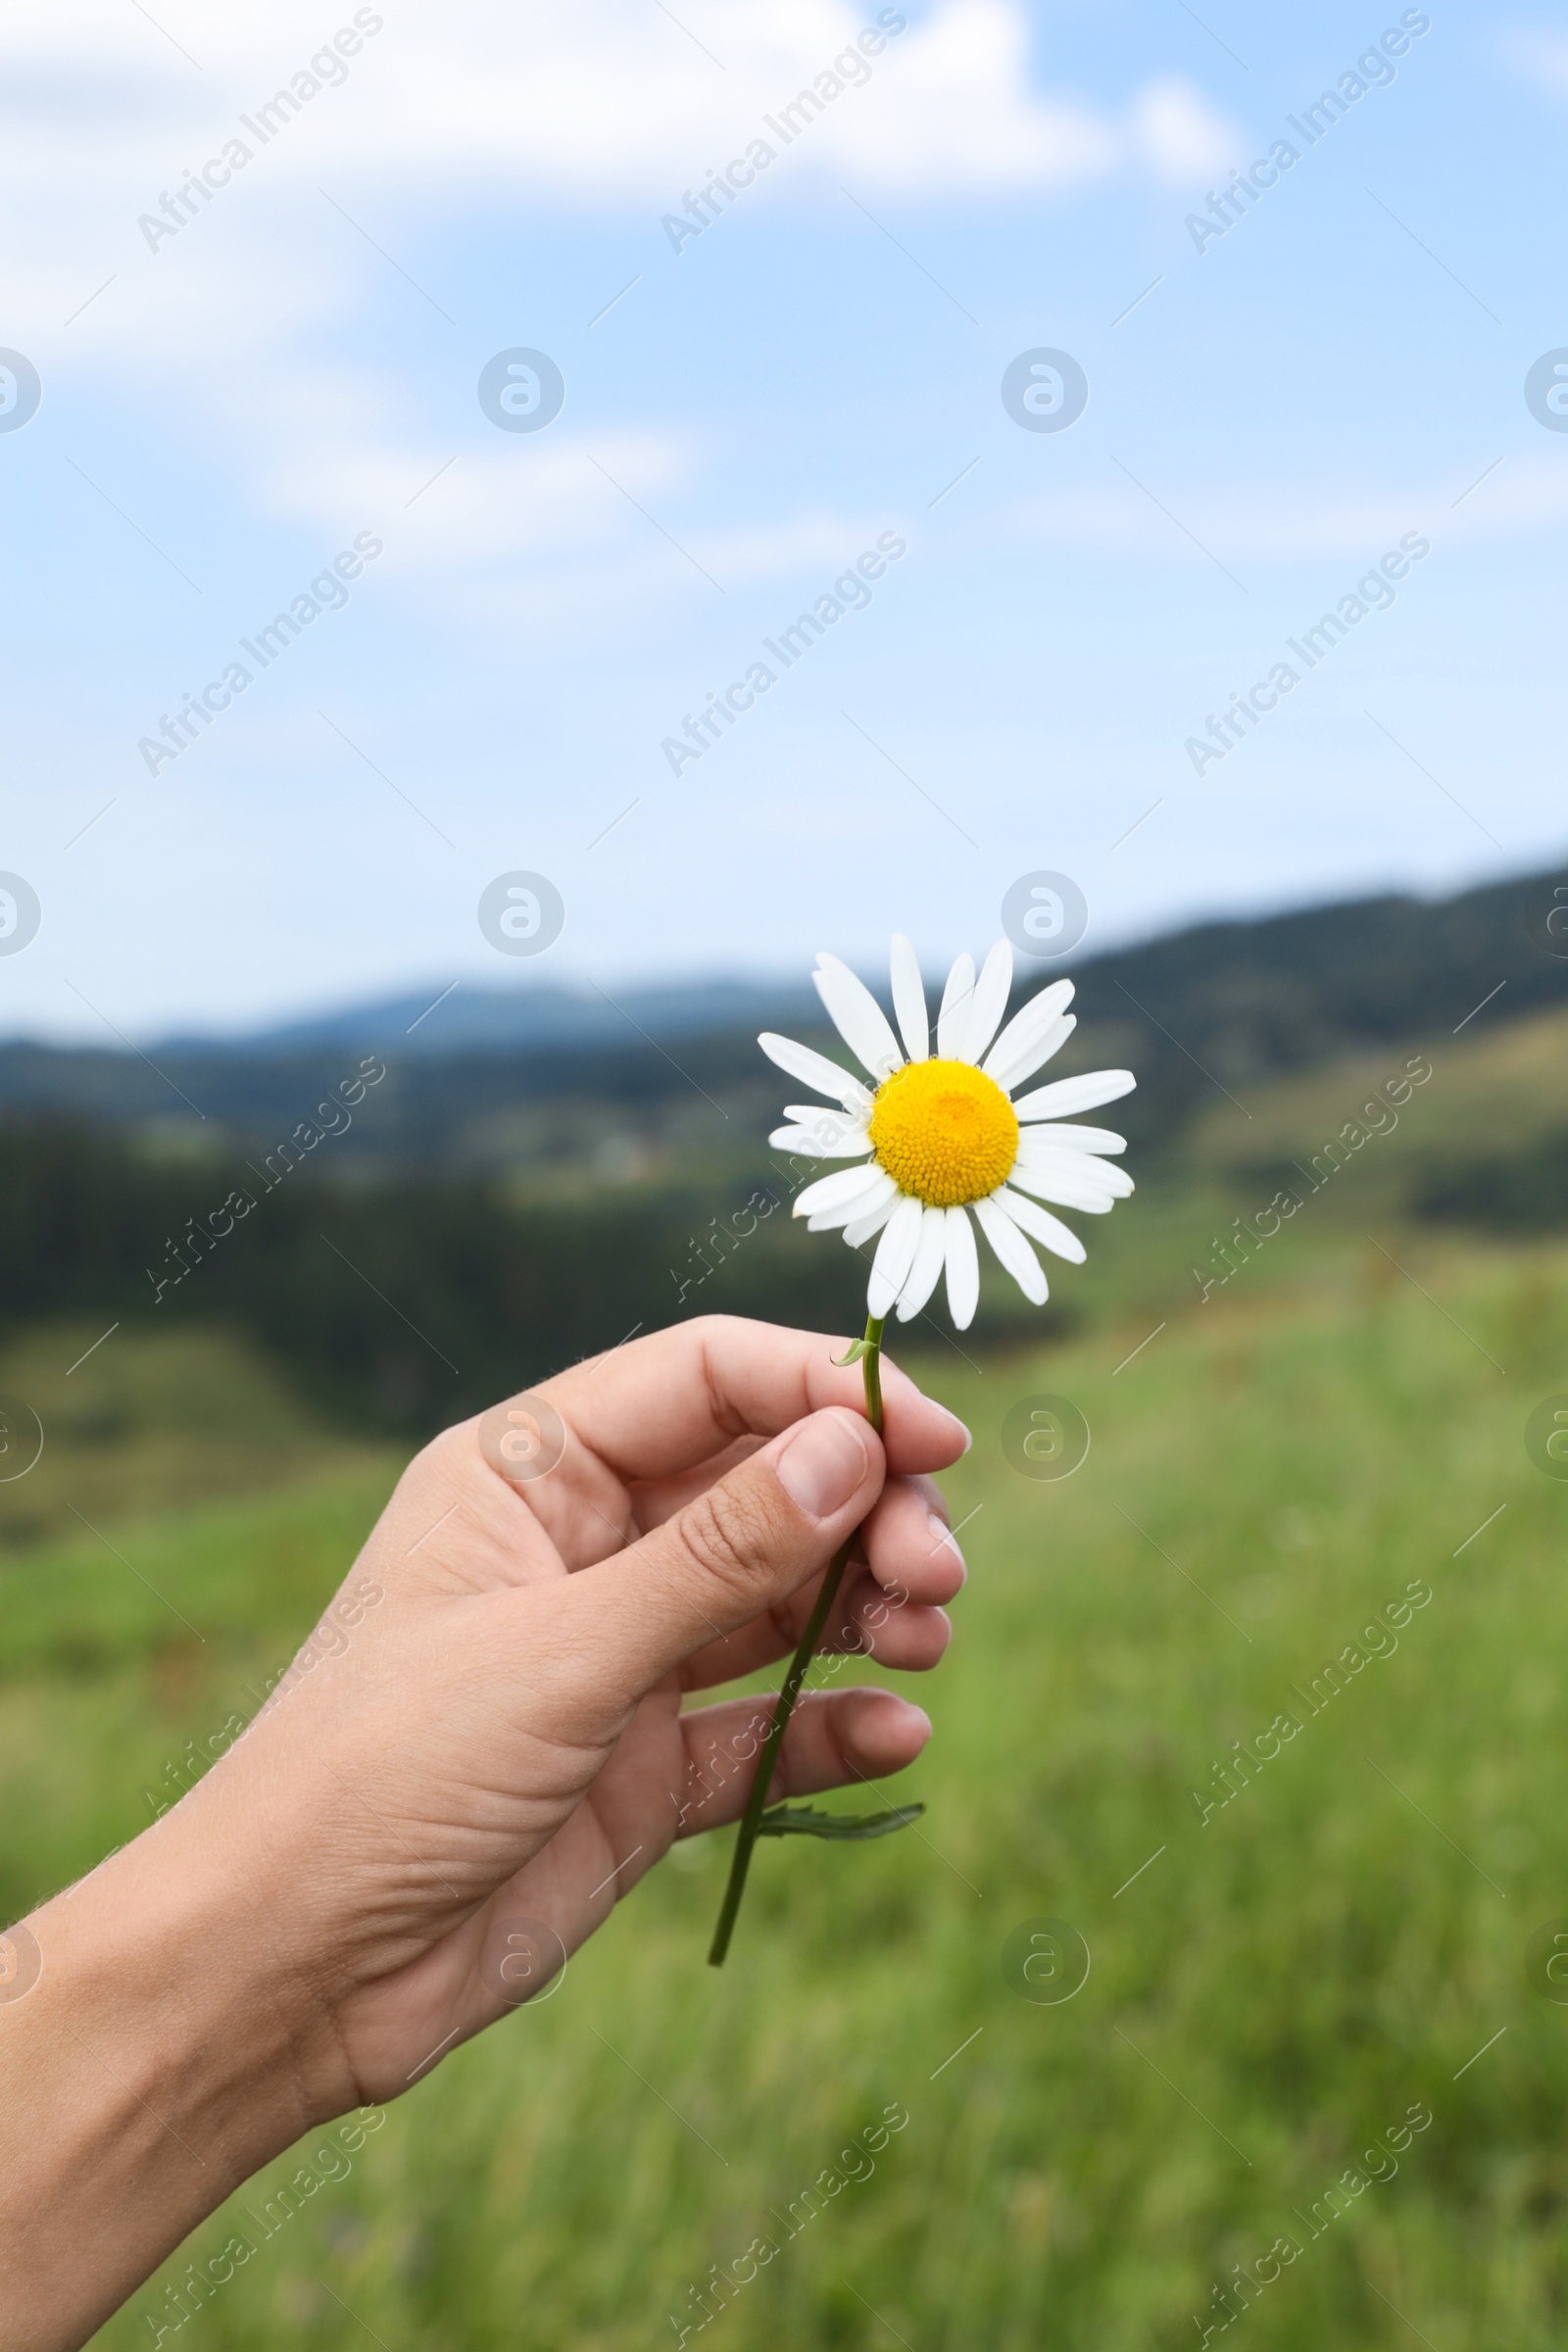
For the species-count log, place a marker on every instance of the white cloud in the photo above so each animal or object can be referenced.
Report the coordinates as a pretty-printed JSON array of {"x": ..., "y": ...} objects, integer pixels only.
[
  {"x": 238, "y": 319},
  {"x": 554, "y": 497},
  {"x": 606, "y": 103},
  {"x": 1183, "y": 138},
  {"x": 1263, "y": 524}
]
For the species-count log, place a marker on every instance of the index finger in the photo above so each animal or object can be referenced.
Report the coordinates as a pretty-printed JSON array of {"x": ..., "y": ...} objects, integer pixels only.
[{"x": 659, "y": 1406}]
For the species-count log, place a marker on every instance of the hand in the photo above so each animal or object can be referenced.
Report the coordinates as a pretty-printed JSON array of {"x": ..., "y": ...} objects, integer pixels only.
[
  {"x": 504, "y": 1738},
  {"x": 493, "y": 1729}
]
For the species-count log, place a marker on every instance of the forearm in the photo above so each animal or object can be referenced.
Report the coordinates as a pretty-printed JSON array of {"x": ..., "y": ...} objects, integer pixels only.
[{"x": 149, "y": 2069}]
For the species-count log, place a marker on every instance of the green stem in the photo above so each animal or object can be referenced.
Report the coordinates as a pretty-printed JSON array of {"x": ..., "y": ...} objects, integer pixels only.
[{"x": 757, "y": 1798}]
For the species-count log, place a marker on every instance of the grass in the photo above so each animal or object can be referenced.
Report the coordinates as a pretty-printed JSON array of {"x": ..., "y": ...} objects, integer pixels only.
[
  {"x": 1271, "y": 1988},
  {"x": 1496, "y": 1087},
  {"x": 136, "y": 1420}
]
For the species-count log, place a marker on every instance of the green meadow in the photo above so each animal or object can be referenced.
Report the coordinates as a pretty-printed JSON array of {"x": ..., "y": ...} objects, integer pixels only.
[{"x": 1278, "y": 1985}]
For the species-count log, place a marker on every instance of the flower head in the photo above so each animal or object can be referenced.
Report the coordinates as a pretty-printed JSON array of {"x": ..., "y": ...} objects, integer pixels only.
[{"x": 937, "y": 1134}]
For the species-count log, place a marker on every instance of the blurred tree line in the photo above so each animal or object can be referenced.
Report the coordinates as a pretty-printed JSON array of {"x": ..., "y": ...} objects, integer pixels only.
[{"x": 407, "y": 1303}]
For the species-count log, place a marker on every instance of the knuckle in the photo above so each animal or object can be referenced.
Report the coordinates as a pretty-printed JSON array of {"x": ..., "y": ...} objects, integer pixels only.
[
  {"x": 731, "y": 1536},
  {"x": 448, "y": 1450},
  {"x": 712, "y": 1326},
  {"x": 442, "y": 1459}
]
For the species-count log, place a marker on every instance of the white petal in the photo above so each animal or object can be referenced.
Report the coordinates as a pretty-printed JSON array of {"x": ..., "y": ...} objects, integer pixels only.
[
  {"x": 926, "y": 1271},
  {"x": 815, "y": 1069},
  {"x": 809, "y": 1143},
  {"x": 1030, "y": 1023},
  {"x": 991, "y": 993},
  {"x": 861, "y": 1228},
  {"x": 964, "y": 1268},
  {"x": 894, "y": 1255},
  {"x": 908, "y": 998},
  {"x": 958, "y": 1003},
  {"x": 1079, "y": 1139},
  {"x": 1052, "y": 1184},
  {"x": 879, "y": 1192},
  {"x": 1042, "y": 1226},
  {"x": 856, "y": 1017},
  {"x": 1013, "y": 1250},
  {"x": 876, "y": 1202},
  {"x": 830, "y": 1195},
  {"x": 1026, "y": 1060},
  {"x": 832, "y": 1132},
  {"x": 1103, "y": 1177},
  {"x": 1066, "y": 1096},
  {"x": 804, "y": 1114}
]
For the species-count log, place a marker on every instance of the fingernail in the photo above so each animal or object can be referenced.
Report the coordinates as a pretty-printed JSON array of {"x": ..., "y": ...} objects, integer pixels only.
[
  {"x": 823, "y": 1463},
  {"x": 962, "y": 1429},
  {"x": 942, "y": 1533}
]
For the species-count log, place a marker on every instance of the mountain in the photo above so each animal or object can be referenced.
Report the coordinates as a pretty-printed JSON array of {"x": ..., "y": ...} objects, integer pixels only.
[
  {"x": 1284, "y": 986},
  {"x": 544, "y": 1076},
  {"x": 466, "y": 1018}
]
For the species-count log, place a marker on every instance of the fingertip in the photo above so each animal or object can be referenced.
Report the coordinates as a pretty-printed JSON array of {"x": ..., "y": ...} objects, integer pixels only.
[
  {"x": 945, "y": 1545},
  {"x": 957, "y": 1435},
  {"x": 884, "y": 1732},
  {"x": 915, "y": 1641},
  {"x": 931, "y": 1435}
]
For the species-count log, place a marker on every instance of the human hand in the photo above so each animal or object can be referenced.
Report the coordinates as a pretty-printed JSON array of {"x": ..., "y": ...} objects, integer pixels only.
[{"x": 503, "y": 1739}]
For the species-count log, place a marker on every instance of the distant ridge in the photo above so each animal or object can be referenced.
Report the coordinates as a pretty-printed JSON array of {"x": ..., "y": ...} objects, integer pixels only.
[
  {"x": 1204, "y": 1008},
  {"x": 470, "y": 1018},
  {"x": 1282, "y": 987}
]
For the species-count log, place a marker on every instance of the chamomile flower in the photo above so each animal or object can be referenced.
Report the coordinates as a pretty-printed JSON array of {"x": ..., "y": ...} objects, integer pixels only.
[{"x": 937, "y": 1136}]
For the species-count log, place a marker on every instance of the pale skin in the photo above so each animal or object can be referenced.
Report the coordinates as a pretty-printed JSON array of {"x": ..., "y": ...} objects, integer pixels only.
[{"x": 504, "y": 1728}]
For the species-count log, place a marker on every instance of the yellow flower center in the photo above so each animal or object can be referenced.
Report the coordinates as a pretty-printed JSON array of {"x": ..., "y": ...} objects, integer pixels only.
[{"x": 943, "y": 1131}]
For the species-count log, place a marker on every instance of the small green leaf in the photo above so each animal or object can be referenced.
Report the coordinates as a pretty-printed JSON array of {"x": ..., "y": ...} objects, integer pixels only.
[
  {"x": 857, "y": 1349},
  {"x": 805, "y": 1821}
]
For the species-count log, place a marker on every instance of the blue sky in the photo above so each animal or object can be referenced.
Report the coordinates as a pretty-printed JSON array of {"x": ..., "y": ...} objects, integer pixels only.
[{"x": 298, "y": 367}]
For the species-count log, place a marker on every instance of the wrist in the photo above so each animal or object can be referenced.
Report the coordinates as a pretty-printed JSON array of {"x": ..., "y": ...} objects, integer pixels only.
[{"x": 152, "y": 2065}]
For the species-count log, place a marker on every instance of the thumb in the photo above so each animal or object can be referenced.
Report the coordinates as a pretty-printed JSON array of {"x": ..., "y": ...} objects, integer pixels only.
[{"x": 748, "y": 1542}]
